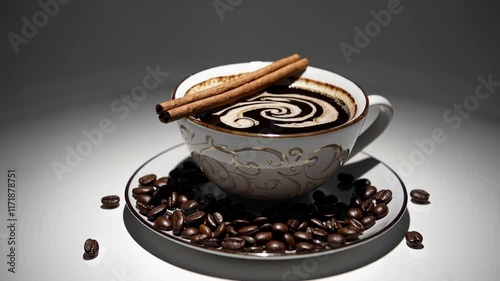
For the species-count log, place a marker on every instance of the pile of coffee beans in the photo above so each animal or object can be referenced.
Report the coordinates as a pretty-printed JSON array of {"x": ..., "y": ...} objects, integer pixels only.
[{"x": 175, "y": 204}]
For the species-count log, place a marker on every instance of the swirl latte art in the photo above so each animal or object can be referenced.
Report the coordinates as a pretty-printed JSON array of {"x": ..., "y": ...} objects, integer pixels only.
[{"x": 281, "y": 110}]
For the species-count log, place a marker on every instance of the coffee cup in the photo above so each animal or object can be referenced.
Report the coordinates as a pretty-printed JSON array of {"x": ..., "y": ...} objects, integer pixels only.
[{"x": 279, "y": 166}]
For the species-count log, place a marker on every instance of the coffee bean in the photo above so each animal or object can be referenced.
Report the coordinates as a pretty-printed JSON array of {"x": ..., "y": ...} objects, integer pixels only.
[
  {"x": 91, "y": 248},
  {"x": 294, "y": 224},
  {"x": 319, "y": 232},
  {"x": 304, "y": 247},
  {"x": 189, "y": 206},
  {"x": 383, "y": 196},
  {"x": 220, "y": 231},
  {"x": 110, "y": 201},
  {"x": 249, "y": 240},
  {"x": 319, "y": 243},
  {"x": 266, "y": 227},
  {"x": 279, "y": 227},
  {"x": 233, "y": 243},
  {"x": 189, "y": 231},
  {"x": 361, "y": 183},
  {"x": 345, "y": 178},
  {"x": 163, "y": 223},
  {"x": 289, "y": 241},
  {"x": 239, "y": 223},
  {"x": 142, "y": 190},
  {"x": 248, "y": 230},
  {"x": 182, "y": 199},
  {"x": 414, "y": 239},
  {"x": 367, "y": 221},
  {"x": 160, "y": 183},
  {"x": 218, "y": 219},
  {"x": 147, "y": 179},
  {"x": 275, "y": 246},
  {"x": 254, "y": 249},
  {"x": 302, "y": 236},
  {"x": 211, "y": 242},
  {"x": 356, "y": 224},
  {"x": 316, "y": 223},
  {"x": 354, "y": 213},
  {"x": 143, "y": 208},
  {"x": 302, "y": 226},
  {"x": 198, "y": 238},
  {"x": 157, "y": 212},
  {"x": 419, "y": 196},
  {"x": 262, "y": 238},
  {"x": 367, "y": 206},
  {"x": 350, "y": 233},
  {"x": 231, "y": 231},
  {"x": 260, "y": 221},
  {"x": 195, "y": 218},
  {"x": 380, "y": 210},
  {"x": 172, "y": 200},
  {"x": 211, "y": 222},
  {"x": 144, "y": 198},
  {"x": 177, "y": 222},
  {"x": 369, "y": 192},
  {"x": 336, "y": 240},
  {"x": 204, "y": 229}
]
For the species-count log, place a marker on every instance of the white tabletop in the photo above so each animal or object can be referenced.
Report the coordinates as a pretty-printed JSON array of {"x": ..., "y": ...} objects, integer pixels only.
[{"x": 55, "y": 216}]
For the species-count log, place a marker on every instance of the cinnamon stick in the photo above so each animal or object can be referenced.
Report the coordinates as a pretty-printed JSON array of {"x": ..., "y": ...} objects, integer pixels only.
[
  {"x": 224, "y": 87},
  {"x": 231, "y": 96}
]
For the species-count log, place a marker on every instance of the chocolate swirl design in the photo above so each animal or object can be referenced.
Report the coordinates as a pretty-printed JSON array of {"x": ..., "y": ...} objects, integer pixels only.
[{"x": 282, "y": 112}]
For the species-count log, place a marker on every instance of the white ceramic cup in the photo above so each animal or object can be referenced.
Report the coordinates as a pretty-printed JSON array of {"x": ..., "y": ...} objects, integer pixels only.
[{"x": 280, "y": 167}]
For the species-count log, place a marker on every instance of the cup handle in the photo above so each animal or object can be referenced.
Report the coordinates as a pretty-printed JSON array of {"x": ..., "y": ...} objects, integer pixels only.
[{"x": 378, "y": 126}]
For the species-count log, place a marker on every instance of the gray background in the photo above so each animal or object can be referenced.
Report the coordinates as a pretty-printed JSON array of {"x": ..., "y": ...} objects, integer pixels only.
[{"x": 64, "y": 80}]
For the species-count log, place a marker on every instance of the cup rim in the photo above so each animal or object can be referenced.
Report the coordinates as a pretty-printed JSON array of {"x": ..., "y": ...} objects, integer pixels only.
[{"x": 349, "y": 123}]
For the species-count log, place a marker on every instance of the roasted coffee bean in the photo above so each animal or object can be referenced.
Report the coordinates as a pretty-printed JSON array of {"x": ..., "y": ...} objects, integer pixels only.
[
  {"x": 204, "y": 229},
  {"x": 143, "y": 208},
  {"x": 211, "y": 222},
  {"x": 336, "y": 240},
  {"x": 198, "y": 238},
  {"x": 167, "y": 179},
  {"x": 318, "y": 195},
  {"x": 110, "y": 201},
  {"x": 173, "y": 200},
  {"x": 260, "y": 221},
  {"x": 414, "y": 239},
  {"x": 239, "y": 223},
  {"x": 350, "y": 233},
  {"x": 356, "y": 202},
  {"x": 142, "y": 190},
  {"x": 147, "y": 179},
  {"x": 91, "y": 248},
  {"x": 218, "y": 219},
  {"x": 211, "y": 242},
  {"x": 361, "y": 183},
  {"x": 163, "y": 223},
  {"x": 157, "y": 211},
  {"x": 369, "y": 192},
  {"x": 195, "y": 218},
  {"x": 304, "y": 247},
  {"x": 182, "y": 199},
  {"x": 266, "y": 227},
  {"x": 189, "y": 231},
  {"x": 248, "y": 230},
  {"x": 279, "y": 227},
  {"x": 233, "y": 243},
  {"x": 275, "y": 246},
  {"x": 345, "y": 178},
  {"x": 367, "y": 206},
  {"x": 177, "y": 222},
  {"x": 294, "y": 224},
  {"x": 231, "y": 231},
  {"x": 254, "y": 249},
  {"x": 354, "y": 213},
  {"x": 335, "y": 224},
  {"x": 319, "y": 244},
  {"x": 262, "y": 238},
  {"x": 302, "y": 236},
  {"x": 144, "y": 198},
  {"x": 319, "y": 232},
  {"x": 160, "y": 183},
  {"x": 220, "y": 231},
  {"x": 328, "y": 225},
  {"x": 367, "y": 221},
  {"x": 419, "y": 196},
  {"x": 356, "y": 224},
  {"x": 302, "y": 226},
  {"x": 314, "y": 222},
  {"x": 383, "y": 196},
  {"x": 189, "y": 206},
  {"x": 249, "y": 240},
  {"x": 289, "y": 241},
  {"x": 380, "y": 210}
]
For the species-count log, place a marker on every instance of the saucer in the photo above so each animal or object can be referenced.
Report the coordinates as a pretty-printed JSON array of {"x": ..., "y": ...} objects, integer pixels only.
[{"x": 361, "y": 165}]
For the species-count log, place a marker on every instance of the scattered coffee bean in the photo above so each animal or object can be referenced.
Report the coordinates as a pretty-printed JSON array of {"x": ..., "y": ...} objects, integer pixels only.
[
  {"x": 414, "y": 239},
  {"x": 91, "y": 248},
  {"x": 419, "y": 196},
  {"x": 147, "y": 179},
  {"x": 110, "y": 201}
]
